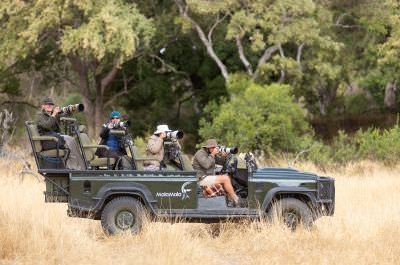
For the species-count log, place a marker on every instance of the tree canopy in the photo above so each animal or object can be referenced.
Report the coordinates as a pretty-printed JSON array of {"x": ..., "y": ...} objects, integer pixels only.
[{"x": 212, "y": 68}]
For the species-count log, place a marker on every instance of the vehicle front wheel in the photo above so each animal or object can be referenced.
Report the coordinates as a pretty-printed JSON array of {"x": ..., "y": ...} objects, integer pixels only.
[
  {"x": 292, "y": 213},
  {"x": 123, "y": 214}
]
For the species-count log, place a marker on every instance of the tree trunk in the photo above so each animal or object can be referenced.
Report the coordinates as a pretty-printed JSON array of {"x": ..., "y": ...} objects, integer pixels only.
[
  {"x": 326, "y": 96},
  {"x": 390, "y": 95},
  {"x": 89, "y": 113},
  {"x": 93, "y": 93},
  {"x": 98, "y": 117},
  {"x": 207, "y": 42}
]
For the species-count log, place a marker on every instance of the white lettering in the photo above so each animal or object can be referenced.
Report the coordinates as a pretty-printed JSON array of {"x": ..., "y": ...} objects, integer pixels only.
[{"x": 168, "y": 194}]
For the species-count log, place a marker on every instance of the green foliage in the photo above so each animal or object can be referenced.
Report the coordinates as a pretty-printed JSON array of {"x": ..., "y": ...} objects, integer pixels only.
[
  {"x": 113, "y": 28},
  {"x": 372, "y": 144},
  {"x": 357, "y": 104},
  {"x": 93, "y": 29},
  {"x": 375, "y": 83},
  {"x": 256, "y": 117},
  {"x": 10, "y": 84},
  {"x": 140, "y": 144}
]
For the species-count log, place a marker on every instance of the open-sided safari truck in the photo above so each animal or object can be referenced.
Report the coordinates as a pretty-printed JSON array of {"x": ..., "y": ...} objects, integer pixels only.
[{"x": 122, "y": 198}]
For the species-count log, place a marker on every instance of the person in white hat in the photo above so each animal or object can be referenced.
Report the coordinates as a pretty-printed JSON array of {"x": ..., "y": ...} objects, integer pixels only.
[{"x": 155, "y": 147}]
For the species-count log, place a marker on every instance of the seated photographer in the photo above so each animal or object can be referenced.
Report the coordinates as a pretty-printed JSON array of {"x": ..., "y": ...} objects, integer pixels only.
[
  {"x": 48, "y": 123},
  {"x": 155, "y": 146},
  {"x": 116, "y": 148},
  {"x": 204, "y": 164}
]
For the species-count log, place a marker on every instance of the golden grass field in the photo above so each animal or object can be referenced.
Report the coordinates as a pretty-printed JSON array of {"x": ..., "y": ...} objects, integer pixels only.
[{"x": 364, "y": 230}]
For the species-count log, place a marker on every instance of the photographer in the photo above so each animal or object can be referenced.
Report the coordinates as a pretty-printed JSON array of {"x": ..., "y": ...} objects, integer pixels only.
[
  {"x": 48, "y": 123},
  {"x": 116, "y": 150},
  {"x": 204, "y": 165},
  {"x": 155, "y": 147}
]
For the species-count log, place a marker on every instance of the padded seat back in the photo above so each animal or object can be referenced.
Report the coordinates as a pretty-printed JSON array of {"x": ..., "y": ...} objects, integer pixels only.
[
  {"x": 85, "y": 140},
  {"x": 136, "y": 156},
  {"x": 32, "y": 132},
  {"x": 187, "y": 164},
  {"x": 48, "y": 159}
]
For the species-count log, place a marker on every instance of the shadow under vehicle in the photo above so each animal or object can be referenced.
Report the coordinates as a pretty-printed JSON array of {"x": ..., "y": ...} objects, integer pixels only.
[{"x": 124, "y": 199}]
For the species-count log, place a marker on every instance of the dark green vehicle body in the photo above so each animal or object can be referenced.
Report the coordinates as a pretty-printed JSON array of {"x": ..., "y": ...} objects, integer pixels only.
[{"x": 175, "y": 193}]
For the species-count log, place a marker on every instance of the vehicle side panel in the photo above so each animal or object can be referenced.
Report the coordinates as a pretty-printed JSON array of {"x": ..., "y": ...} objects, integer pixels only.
[
  {"x": 265, "y": 183},
  {"x": 165, "y": 190}
]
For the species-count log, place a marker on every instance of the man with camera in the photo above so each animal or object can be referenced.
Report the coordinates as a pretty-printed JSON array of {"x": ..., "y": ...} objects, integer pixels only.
[
  {"x": 114, "y": 142},
  {"x": 155, "y": 146},
  {"x": 204, "y": 164},
  {"x": 48, "y": 123}
]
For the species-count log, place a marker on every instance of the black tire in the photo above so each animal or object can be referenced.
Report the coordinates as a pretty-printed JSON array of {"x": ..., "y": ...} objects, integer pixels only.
[
  {"x": 123, "y": 214},
  {"x": 292, "y": 213}
]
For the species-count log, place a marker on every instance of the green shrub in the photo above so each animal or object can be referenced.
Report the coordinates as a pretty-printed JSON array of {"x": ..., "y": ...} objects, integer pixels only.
[
  {"x": 379, "y": 145},
  {"x": 372, "y": 144},
  {"x": 256, "y": 117}
]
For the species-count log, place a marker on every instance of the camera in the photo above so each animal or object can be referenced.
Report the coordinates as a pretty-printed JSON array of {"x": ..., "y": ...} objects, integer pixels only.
[
  {"x": 228, "y": 150},
  {"x": 121, "y": 124},
  {"x": 174, "y": 135},
  {"x": 69, "y": 109}
]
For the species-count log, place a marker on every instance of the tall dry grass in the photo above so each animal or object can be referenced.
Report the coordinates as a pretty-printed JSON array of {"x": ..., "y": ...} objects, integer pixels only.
[{"x": 364, "y": 230}]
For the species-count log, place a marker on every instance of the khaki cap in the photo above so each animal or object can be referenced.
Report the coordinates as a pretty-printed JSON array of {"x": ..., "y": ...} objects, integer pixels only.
[
  {"x": 47, "y": 100},
  {"x": 210, "y": 143}
]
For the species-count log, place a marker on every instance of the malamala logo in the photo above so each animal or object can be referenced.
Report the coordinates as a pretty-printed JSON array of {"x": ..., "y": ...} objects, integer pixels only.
[
  {"x": 183, "y": 194},
  {"x": 185, "y": 190}
]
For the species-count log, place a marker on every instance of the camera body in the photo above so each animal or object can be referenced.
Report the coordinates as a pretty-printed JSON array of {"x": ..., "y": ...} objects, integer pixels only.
[
  {"x": 121, "y": 124},
  {"x": 174, "y": 135},
  {"x": 229, "y": 150},
  {"x": 69, "y": 109}
]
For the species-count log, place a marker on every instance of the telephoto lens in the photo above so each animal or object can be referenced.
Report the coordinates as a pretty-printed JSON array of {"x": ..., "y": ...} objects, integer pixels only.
[
  {"x": 229, "y": 150},
  {"x": 69, "y": 109},
  {"x": 175, "y": 135}
]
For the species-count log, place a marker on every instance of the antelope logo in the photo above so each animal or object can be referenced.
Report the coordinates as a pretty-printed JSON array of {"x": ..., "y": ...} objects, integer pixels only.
[{"x": 185, "y": 191}]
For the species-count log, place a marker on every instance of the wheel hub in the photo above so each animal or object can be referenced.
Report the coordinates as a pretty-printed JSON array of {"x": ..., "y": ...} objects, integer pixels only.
[
  {"x": 290, "y": 219},
  {"x": 124, "y": 220}
]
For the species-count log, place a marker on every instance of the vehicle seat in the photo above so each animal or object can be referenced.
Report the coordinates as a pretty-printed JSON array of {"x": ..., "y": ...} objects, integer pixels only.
[
  {"x": 53, "y": 158},
  {"x": 90, "y": 150},
  {"x": 139, "y": 161},
  {"x": 187, "y": 164}
]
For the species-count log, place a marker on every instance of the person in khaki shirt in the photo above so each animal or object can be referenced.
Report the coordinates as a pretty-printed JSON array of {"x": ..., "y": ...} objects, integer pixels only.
[
  {"x": 155, "y": 148},
  {"x": 204, "y": 165}
]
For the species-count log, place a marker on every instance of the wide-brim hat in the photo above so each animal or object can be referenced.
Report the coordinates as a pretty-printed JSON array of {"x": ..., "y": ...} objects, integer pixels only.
[
  {"x": 162, "y": 128},
  {"x": 47, "y": 101},
  {"x": 210, "y": 143}
]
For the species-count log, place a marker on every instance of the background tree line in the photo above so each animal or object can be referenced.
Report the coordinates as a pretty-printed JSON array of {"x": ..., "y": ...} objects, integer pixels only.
[{"x": 267, "y": 75}]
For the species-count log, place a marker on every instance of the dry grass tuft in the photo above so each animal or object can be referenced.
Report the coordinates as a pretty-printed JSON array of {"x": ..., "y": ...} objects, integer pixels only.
[{"x": 364, "y": 230}]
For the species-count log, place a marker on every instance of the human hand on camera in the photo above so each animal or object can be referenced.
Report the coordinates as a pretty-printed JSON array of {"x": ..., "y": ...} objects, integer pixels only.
[
  {"x": 224, "y": 154},
  {"x": 56, "y": 110},
  {"x": 214, "y": 151},
  {"x": 110, "y": 125}
]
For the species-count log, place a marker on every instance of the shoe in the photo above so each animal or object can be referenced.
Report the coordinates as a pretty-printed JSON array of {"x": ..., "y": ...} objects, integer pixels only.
[{"x": 241, "y": 203}]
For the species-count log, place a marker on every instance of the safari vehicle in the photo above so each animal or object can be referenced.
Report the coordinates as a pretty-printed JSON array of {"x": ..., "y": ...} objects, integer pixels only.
[{"x": 122, "y": 198}]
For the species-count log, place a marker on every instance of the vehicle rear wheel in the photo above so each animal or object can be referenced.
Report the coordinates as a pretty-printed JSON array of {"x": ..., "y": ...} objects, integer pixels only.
[
  {"x": 123, "y": 214},
  {"x": 292, "y": 213}
]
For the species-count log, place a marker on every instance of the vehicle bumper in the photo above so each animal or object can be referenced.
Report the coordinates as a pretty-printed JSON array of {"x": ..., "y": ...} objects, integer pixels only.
[{"x": 326, "y": 195}]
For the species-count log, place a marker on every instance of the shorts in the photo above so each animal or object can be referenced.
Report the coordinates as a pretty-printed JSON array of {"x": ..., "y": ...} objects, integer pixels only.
[{"x": 208, "y": 180}]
